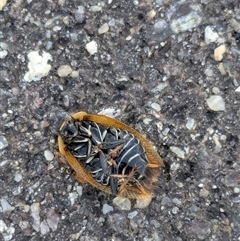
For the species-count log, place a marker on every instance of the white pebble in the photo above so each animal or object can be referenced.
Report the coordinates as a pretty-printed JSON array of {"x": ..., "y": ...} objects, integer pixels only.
[
  {"x": 3, "y": 54},
  {"x": 103, "y": 29},
  {"x": 48, "y": 155},
  {"x": 95, "y": 8},
  {"x": 64, "y": 71},
  {"x": 203, "y": 193},
  {"x": 174, "y": 166},
  {"x": 216, "y": 103},
  {"x": 122, "y": 203},
  {"x": 237, "y": 90},
  {"x": 17, "y": 177},
  {"x": 38, "y": 66},
  {"x": 131, "y": 215},
  {"x": 72, "y": 197},
  {"x": 147, "y": 121},
  {"x": 209, "y": 72},
  {"x": 3, "y": 142},
  {"x": 92, "y": 47},
  {"x": 106, "y": 208},
  {"x": 190, "y": 123},
  {"x": 216, "y": 90},
  {"x": 175, "y": 210},
  {"x": 236, "y": 190},
  {"x": 180, "y": 153},
  {"x": 6, "y": 207},
  {"x": 209, "y": 35},
  {"x": 74, "y": 74},
  {"x": 156, "y": 106},
  {"x": 44, "y": 229},
  {"x": 79, "y": 190},
  {"x": 223, "y": 137},
  {"x": 165, "y": 131}
]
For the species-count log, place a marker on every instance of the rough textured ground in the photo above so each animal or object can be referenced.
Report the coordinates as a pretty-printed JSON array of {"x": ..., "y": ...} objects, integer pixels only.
[{"x": 155, "y": 69}]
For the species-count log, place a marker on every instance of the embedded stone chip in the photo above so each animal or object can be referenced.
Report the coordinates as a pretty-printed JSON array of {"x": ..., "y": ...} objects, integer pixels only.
[
  {"x": 48, "y": 155},
  {"x": 64, "y": 71},
  {"x": 216, "y": 103},
  {"x": 2, "y": 4},
  {"x": 103, "y": 29},
  {"x": 38, "y": 66},
  {"x": 219, "y": 51},
  {"x": 3, "y": 142},
  {"x": 92, "y": 47}
]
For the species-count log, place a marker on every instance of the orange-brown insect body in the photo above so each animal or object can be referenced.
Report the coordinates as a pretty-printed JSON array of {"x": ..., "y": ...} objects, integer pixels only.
[{"x": 109, "y": 155}]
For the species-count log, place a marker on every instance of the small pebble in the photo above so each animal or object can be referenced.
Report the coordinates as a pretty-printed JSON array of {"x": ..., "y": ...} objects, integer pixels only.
[
  {"x": 222, "y": 69},
  {"x": 52, "y": 219},
  {"x": 131, "y": 215},
  {"x": 165, "y": 131},
  {"x": 223, "y": 137},
  {"x": 15, "y": 91},
  {"x": 216, "y": 103},
  {"x": 147, "y": 121},
  {"x": 3, "y": 54},
  {"x": 35, "y": 210},
  {"x": 209, "y": 35},
  {"x": 3, "y": 142},
  {"x": 203, "y": 193},
  {"x": 80, "y": 14},
  {"x": 122, "y": 203},
  {"x": 6, "y": 207},
  {"x": 103, "y": 29},
  {"x": 216, "y": 90},
  {"x": 92, "y": 47},
  {"x": 180, "y": 153},
  {"x": 151, "y": 14},
  {"x": 209, "y": 72},
  {"x": 72, "y": 197},
  {"x": 182, "y": 20},
  {"x": 175, "y": 210},
  {"x": 118, "y": 222},
  {"x": 48, "y": 155},
  {"x": 106, "y": 208},
  {"x": 237, "y": 90},
  {"x": 95, "y": 8},
  {"x": 143, "y": 203},
  {"x": 74, "y": 74},
  {"x": 64, "y": 71},
  {"x": 44, "y": 229},
  {"x": 166, "y": 201},
  {"x": 174, "y": 166},
  {"x": 218, "y": 52},
  {"x": 79, "y": 190},
  {"x": 235, "y": 25},
  {"x": 3, "y": 3},
  {"x": 236, "y": 190},
  {"x": 156, "y": 106},
  {"x": 177, "y": 201},
  {"x": 190, "y": 123},
  {"x": 17, "y": 177},
  {"x": 38, "y": 66}
]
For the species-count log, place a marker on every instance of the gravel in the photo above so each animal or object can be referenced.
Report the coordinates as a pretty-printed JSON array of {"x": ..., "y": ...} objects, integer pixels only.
[{"x": 170, "y": 69}]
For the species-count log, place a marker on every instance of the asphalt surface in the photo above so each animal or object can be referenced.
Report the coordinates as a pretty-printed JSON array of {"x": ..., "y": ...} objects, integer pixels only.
[{"x": 169, "y": 69}]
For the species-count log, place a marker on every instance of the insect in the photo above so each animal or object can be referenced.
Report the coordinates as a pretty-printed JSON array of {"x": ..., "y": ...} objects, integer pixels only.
[{"x": 110, "y": 156}]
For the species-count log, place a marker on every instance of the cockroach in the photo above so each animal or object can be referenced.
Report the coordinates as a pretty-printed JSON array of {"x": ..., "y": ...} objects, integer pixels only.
[{"x": 110, "y": 156}]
